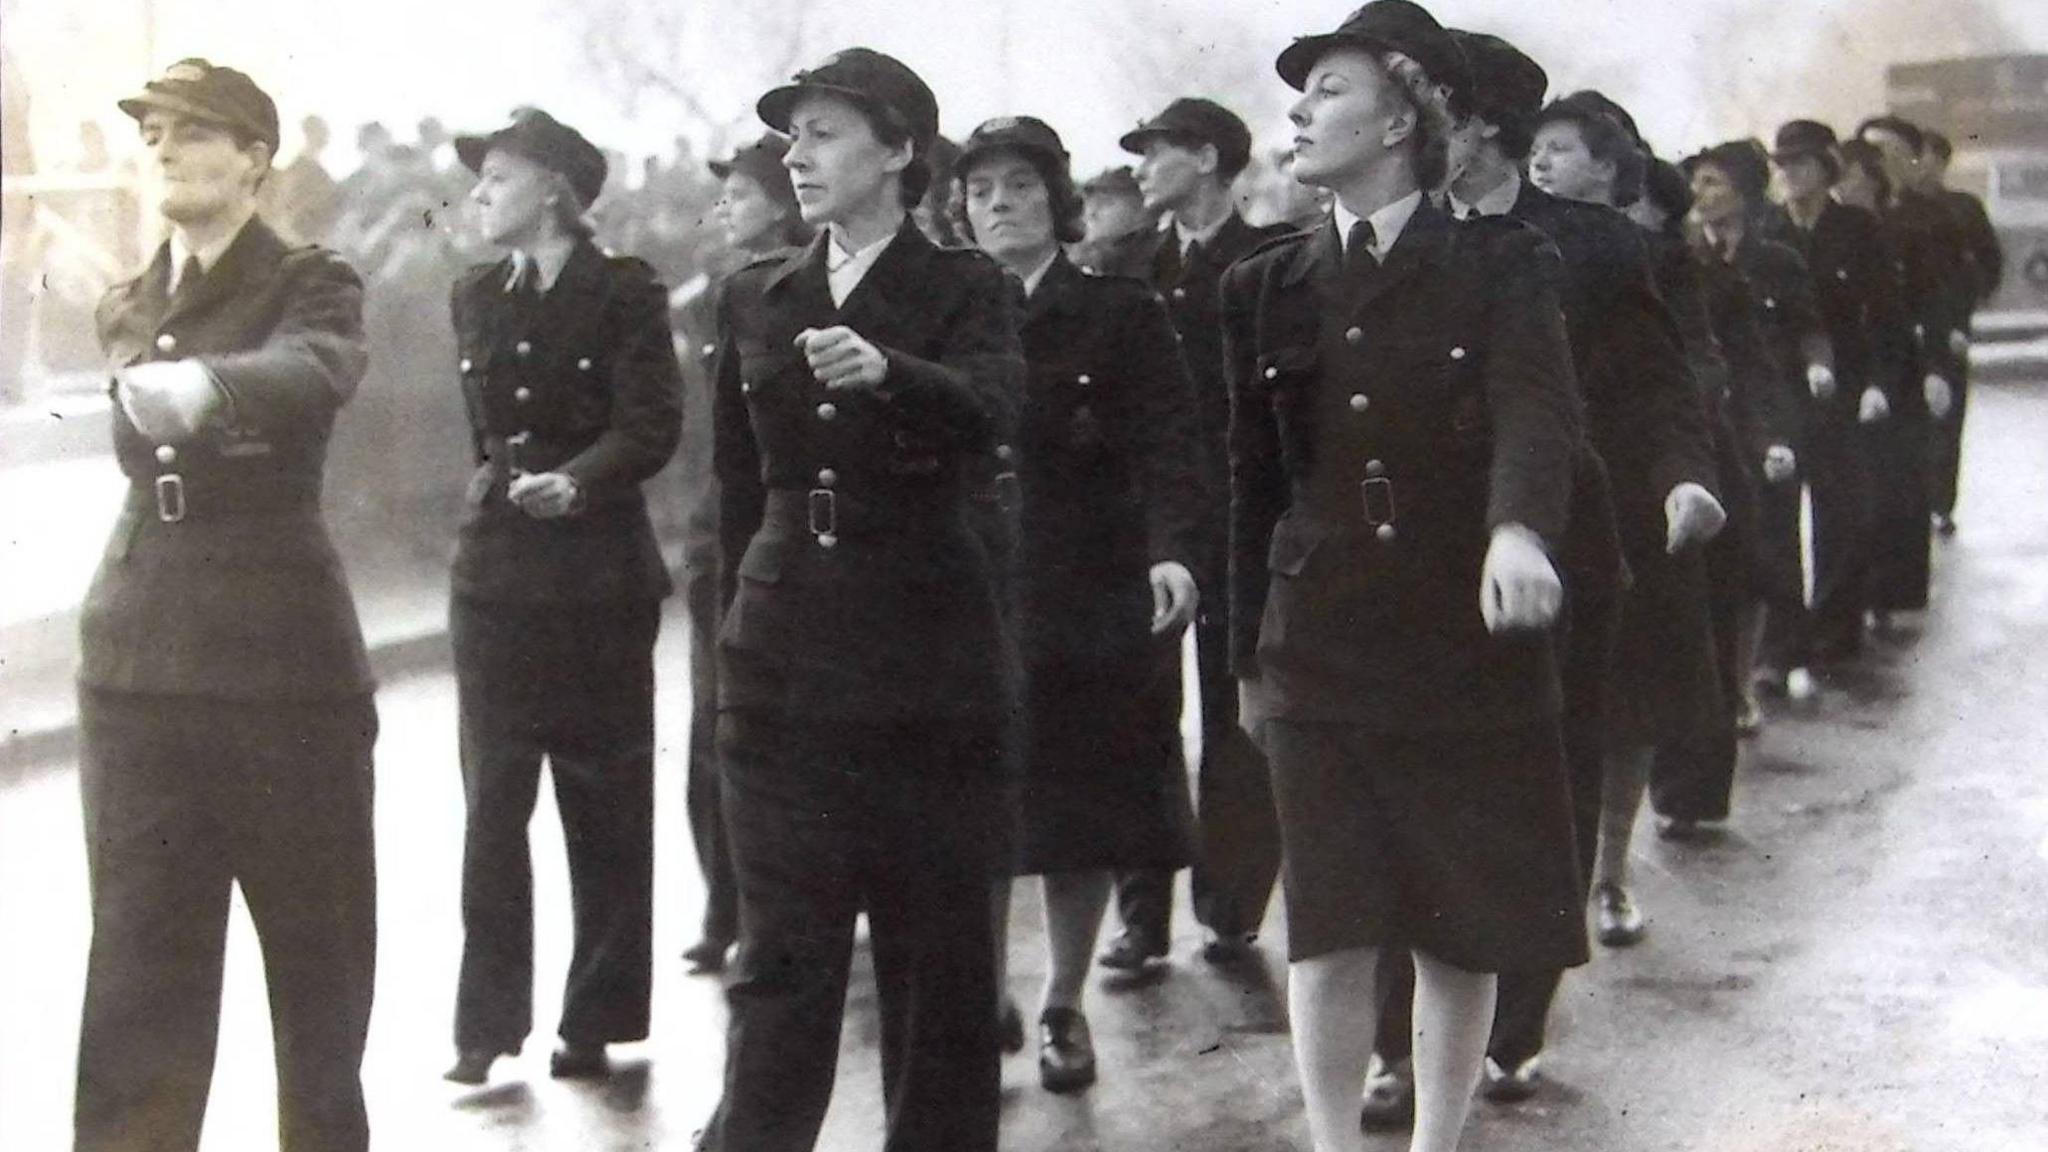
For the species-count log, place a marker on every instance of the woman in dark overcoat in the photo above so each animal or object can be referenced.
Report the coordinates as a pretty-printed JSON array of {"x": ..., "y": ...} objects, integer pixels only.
[
  {"x": 570, "y": 379},
  {"x": 1111, "y": 502}
]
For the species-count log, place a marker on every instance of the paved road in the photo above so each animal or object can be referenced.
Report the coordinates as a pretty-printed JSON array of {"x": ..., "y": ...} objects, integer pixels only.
[{"x": 1860, "y": 965}]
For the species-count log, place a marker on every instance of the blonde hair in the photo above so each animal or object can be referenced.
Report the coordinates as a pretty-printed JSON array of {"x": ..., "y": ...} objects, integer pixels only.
[{"x": 1433, "y": 120}]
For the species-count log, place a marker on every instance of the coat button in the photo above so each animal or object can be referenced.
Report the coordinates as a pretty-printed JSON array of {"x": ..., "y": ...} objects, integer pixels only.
[
  {"x": 1272, "y": 373},
  {"x": 467, "y": 365},
  {"x": 1458, "y": 353},
  {"x": 827, "y": 477},
  {"x": 165, "y": 454},
  {"x": 524, "y": 347},
  {"x": 1360, "y": 401},
  {"x": 1005, "y": 452},
  {"x": 1354, "y": 336},
  {"x": 827, "y": 540},
  {"x": 710, "y": 349},
  {"x": 828, "y": 411},
  {"x": 1375, "y": 468},
  {"x": 1841, "y": 273},
  {"x": 167, "y": 343},
  {"x": 522, "y": 394},
  {"x": 1384, "y": 533},
  {"x": 746, "y": 389},
  {"x": 583, "y": 365},
  {"x": 1770, "y": 301},
  {"x": 1180, "y": 293},
  {"x": 1084, "y": 378}
]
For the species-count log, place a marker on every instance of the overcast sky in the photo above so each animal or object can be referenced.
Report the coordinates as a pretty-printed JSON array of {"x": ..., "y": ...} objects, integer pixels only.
[{"x": 1692, "y": 72}]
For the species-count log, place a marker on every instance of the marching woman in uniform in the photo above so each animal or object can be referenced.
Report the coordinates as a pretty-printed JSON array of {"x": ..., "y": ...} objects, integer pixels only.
[
  {"x": 1403, "y": 430},
  {"x": 862, "y": 688},
  {"x": 574, "y": 398},
  {"x": 1112, "y": 506}
]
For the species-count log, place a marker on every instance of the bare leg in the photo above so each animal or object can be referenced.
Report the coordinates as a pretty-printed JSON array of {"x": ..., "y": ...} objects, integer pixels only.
[
  {"x": 1074, "y": 906},
  {"x": 1453, "y": 1017},
  {"x": 1334, "y": 1010}
]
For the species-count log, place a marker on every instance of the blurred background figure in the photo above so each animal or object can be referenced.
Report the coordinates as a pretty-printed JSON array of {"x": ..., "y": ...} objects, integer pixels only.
[
  {"x": 1113, "y": 219},
  {"x": 303, "y": 196}
]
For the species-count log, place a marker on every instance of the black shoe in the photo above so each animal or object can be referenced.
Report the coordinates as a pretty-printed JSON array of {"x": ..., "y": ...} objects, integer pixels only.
[
  {"x": 1511, "y": 1085},
  {"x": 472, "y": 1066},
  {"x": 1228, "y": 949},
  {"x": 1389, "y": 1103},
  {"x": 707, "y": 956},
  {"x": 579, "y": 1062},
  {"x": 1131, "y": 950},
  {"x": 1066, "y": 1053},
  {"x": 1010, "y": 1022}
]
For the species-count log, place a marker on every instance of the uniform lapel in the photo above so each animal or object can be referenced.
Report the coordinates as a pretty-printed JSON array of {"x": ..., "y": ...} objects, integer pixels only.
[
  {"x": 799, "y": 284},
  {"x": 1320, "y": 262},
  {"x": 1420, "y": 244},
  {"x": 254, "y": 249},
  {"x": 895, "y": 290},
  {"x": 1055, "y": 293}
]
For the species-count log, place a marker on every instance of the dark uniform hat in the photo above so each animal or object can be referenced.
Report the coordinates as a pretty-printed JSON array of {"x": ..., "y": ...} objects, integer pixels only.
[
  {"x": 1199, "y": 120},
  {"x": 762, "y": 161},
  {"x": 1031, "y": 137},
  {"x": 879, "y": 84},
  {"x": 1505, "y": 84},
  {"x": 1804, "y": 138},
  {"x": 203, "y": 91},
  {"x": 547, "y": 142},
  {"x": 1395, "y": 25},
  {"x": 1118, "y": 181}
]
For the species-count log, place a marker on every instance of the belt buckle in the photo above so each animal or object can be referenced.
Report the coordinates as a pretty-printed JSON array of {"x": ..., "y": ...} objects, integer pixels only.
[
  {"x": 1378, "y": 497},
  {"x": 170, "y": 497},
  {"x": 1009, "y": 491},
  {"x": 822, "y": 513}
]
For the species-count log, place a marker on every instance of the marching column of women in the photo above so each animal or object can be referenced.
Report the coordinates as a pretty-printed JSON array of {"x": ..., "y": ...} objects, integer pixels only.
[{"x": 1510, "y": 487}]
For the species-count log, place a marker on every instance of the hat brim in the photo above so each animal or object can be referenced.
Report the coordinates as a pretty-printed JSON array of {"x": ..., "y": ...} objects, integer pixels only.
[
  {"x": 777, "y": 105},
  {"x": 1034, "y": 153},
  {"x": 721, "y": 168},
  {"x": 1135, "y": 141},
  {"x": 155, "y": 99},
  {"x": 1781, "y": 155},
  {"x": 1298, "y": 59},
  {"x": 471, "y": 150}
]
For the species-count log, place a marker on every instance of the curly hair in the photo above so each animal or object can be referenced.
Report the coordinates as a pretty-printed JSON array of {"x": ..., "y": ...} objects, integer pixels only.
[
  {"x": 1063, "y": 197},
  {"x": 1607, "y": 139},
  {"x": 1433, "y": 120}
]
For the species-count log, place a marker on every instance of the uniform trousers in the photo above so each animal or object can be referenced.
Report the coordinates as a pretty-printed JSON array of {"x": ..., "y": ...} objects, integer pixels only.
[
  {"x": 572, "y": 684},
  {"x": 1521, "y": 1012},
  {"x": 184, "y": 797},
  {"x": 1841, "y": 497},
  {"x": 707, "y": 823},
  {"x": 830, "y": 817},
  {"x": 1237, "y": 859}
]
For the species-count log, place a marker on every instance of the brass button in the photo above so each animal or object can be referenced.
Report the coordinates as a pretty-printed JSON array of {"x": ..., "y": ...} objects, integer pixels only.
[
  {"x": 746, "y": 389},
  {"x": 165, "y": 454},
  {"x": 827, "y": 477},
  {"x": 524, "y": 347},
  {"x": 1360, "y": 401},
  {"x": 583, "y": 365},
  {"x": 1375, "y": 468},
  {"x": 828, "y": 411},
  {"x": 1005, "y": 452},
  {"x": 1770, "y": 301},
  {"x": 1385, "y": 533},
  {"x": 1180, "y": 293},
  {"x": 827, "y": 540},
  {"x": 1354, "y": 336},
  {"x": 1458, "y": 353},
  {"x": 1084, "y": 378},
  {"x": 467, "y": 365},
  {"x": 167, "y": 343},
  {"x": 522, "y": 394},
  {"x": 1272, "y": 373},
  {"x": 710, "y": 349},
  {"x": 1841, "y": 273}
]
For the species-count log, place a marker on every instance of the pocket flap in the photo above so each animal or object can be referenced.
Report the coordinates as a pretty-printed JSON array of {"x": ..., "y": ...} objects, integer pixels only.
[
  {"x": 1294, "y": 360},
  {"x": 763, "y": 561},
  {"x": 1293, "y": 542}
]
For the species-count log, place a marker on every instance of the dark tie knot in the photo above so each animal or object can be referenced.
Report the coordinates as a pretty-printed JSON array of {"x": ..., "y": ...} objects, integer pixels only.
[{"x": 1359, "y": 243}]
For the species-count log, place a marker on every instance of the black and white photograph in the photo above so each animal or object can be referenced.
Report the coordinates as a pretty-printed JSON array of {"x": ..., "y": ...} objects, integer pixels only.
[{"x": 1024, "y": 575}]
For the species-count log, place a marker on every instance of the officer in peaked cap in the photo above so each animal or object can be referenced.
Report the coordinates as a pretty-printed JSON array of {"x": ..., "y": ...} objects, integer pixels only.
[
  {"x": 1191, "y": 155},
  {"x": 225, "y": 706}
]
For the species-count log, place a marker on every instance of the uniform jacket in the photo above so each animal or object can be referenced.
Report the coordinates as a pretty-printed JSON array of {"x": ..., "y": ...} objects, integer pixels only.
[
  {"x": 886, "y": 611},
  {"x": 1384, "y": 423},
  {"x": 1108, "y": 466},
  {"x": 582, "y": 380},
  {"x": 1856, "y": 284},
  {"x": 1979, "y": 242},
  {"x": 243, "y": 598},
  {"x": 1761, "y": 301},
  {"x": 1938, "y": 277}
]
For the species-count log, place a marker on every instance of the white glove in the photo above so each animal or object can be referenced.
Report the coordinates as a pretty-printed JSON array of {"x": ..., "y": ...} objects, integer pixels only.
[
  {"x": 1691, "y": 516},
  {"x": 1174, "y": 597},
  {"x": 1518, "y": 586},
  {"x": 1820, "y": 380},
  {"x": 168, "y": 401},
  {"x": 1940, "y": 396},
  {"x": 1780, "y": 464},
  {"x": 1874, "y": 406},
  {"x": 1959, "y": 342}
]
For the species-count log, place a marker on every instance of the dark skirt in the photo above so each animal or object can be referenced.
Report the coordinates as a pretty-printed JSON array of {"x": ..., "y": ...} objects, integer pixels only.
[
  {"x": 1664, "y": 678},
  {"x": 1898, "y": 453},
  {"x": 1104, "y": 775},
  {"x": 1458, "y": 844}
]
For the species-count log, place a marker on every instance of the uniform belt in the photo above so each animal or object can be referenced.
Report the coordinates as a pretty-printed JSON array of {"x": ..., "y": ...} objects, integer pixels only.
[
  {"x": 530, "y": 453},
  {"x": 173, "y": 497},
  {"x": 830, "y": 513}
]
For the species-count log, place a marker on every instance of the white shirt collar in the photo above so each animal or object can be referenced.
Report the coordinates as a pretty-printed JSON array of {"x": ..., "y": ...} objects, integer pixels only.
[
  {"x": 1037, "y": 275},
  {"x": 1497, "y": 202},
  {"x": 1387, "y": 223},
  {"x": 845, "y": 270},
  {"x": 208, "y": 256},
  {"x": 1187, "y": 235}
]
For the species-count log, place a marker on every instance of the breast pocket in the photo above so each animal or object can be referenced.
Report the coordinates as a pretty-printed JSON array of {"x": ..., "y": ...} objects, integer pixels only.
[{"x": 1289, "y": 374}]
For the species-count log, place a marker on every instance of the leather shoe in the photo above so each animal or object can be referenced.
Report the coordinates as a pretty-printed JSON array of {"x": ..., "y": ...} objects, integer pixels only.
[
  {"x": 1010, "y": 1022},
  {"x": 1226, "y": 949},
  {"x": 1066, "y": 1053},
  {"x": 1131, "y": 950},
  {"x": 472, "y": 1066},
  {"x": 1620, "y": 923},
  {"x": 707, "y": 957},
  {"x": 1510, "y": 1085},
  {"x": 1749, "y": 716},
  {"x": 1389, "y": 1095},
  {"x": 574, "y": 1061}
]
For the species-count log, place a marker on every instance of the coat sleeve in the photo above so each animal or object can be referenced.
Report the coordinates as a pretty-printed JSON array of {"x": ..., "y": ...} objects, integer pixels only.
[
  {"x": 1532, "y": 394},
  {"x": 1258, "y": 483},
  {"x": 647, "y": 391},
  {"x": 974, "y": 389},
  {"x": 1167, "y": 445},
  {"x": 311, "y": 362},
  {"x": 1766, "y": 410},
  {"x": 735, "y": 457},
  {"x": 1887, "y": 318}
]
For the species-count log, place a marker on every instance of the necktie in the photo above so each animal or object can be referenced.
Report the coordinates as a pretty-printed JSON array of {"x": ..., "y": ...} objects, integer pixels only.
[
  {"x": 1193, "y": 256},
  {"x": 189, "y": 276},
  {"x": 1358, "y": 246}
]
